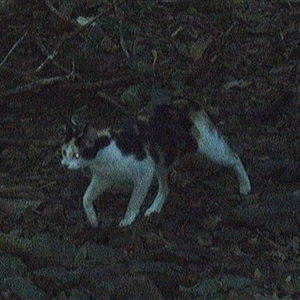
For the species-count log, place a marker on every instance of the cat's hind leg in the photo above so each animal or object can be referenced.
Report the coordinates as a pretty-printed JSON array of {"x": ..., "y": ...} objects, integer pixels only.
[
  {"x": 163, "y": 191},
  {"x": 140, "y": 189},
  {"x": 212, "y": 145}
]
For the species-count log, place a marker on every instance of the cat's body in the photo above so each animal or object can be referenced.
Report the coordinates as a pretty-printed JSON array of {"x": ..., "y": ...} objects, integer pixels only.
[{"x": 144, "y": 147}]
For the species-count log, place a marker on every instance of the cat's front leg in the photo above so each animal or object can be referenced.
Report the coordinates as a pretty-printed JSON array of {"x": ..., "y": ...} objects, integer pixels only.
[
  {"x": 96, "y": 187},
  {"x": 139, "y": 193}
]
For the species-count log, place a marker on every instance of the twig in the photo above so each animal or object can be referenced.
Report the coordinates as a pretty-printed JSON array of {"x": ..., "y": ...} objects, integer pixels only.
[
  {"x": 100, "y": 84},
  {"x": 59, "y": 14},
  {"x": 66, "y": 37},
  {"x": 49, "y": 57},
  {"x": 119, "y": 79},
  {"x": 272, "y": 243},
  {"x": 41, "y": 82},
  {"x": 167, "y": 243},
  {"x": 13, "y": 48},
  {"x": 122, "y": 42},
  {"x": 47, "y": 53},
  {"x": 113, "y": 102}
]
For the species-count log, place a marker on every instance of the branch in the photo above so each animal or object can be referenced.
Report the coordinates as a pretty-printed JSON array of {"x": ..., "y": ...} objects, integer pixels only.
[
  {"x": 13, "y": 48},
  {"x": 66, "y": 37},
  {"x": 47, "y": 54},
  {"x": 112, "y": 102},
  {"x": 49, "y": 57},
  {"x": 41, "y": 82},
  {"x": 59, "y": 14}
]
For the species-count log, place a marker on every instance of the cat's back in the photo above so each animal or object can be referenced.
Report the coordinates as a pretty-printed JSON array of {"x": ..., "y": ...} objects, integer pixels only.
[{"x": 164, "y": 132}]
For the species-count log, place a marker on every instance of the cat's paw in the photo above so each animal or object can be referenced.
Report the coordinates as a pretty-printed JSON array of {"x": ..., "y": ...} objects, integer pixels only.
[
  {"x": 92, "y": 217},
  {"x": 94, "y": 222},
  {"x": 125, "y": 222},
  {"x": 152, "y": 209},
  {"x": 129, "y": 217},
  {"x": 245, "y": 188}
]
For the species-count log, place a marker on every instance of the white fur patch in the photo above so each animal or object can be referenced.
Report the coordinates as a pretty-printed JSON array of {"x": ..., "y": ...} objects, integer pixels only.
[
  {"x": 212, "y": 145},
  {"x": 111, "y": 162}
]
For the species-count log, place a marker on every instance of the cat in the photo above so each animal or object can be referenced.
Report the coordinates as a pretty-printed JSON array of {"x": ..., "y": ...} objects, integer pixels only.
[{"x": 143, "y": 147}]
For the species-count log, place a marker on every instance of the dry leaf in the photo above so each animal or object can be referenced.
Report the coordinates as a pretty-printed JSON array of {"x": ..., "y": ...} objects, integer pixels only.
[{"x": 198, "y": 48}]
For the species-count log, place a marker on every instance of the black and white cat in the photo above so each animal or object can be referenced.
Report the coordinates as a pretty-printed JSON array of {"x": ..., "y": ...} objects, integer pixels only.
[{"x": 143, "y": 147}]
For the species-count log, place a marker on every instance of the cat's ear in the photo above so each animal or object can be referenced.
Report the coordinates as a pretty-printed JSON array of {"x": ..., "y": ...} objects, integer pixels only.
[
  {"x": 89, "y": 136},
  {"x": 70, "y": 128}
]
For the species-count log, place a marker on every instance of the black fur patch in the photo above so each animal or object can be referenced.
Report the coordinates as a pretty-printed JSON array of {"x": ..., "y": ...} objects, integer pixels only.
[
  {"x": 129, "y": 137},
  {"x": 165, "y": 133},
  {"x": 91, "y": 152},
  {"x": 169, "y": 133}
]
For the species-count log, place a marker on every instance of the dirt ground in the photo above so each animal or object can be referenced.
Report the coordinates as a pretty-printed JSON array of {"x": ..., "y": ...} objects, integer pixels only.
[{"x": 240, "y": 60}]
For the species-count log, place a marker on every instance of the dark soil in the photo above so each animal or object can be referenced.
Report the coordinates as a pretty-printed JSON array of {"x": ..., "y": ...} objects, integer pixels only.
[{"x": 240, "y": 60}]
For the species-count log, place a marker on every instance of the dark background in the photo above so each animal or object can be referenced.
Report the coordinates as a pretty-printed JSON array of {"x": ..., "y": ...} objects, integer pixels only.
[{"x": 240, "y": 59}]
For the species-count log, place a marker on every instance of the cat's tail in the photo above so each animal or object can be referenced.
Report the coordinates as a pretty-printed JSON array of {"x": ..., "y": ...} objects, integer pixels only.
[{"x": 212, "y": 145}]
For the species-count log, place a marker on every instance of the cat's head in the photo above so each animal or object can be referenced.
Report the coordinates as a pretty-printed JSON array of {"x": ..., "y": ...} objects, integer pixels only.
[{"x": 81, "y": 146}]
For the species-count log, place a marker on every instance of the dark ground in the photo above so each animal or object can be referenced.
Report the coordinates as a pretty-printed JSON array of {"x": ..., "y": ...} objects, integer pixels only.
[{"x": 240, "y": 59}]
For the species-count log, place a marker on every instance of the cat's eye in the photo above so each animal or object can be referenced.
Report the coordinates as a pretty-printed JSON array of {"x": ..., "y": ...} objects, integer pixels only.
[
  {"x": 76, "y": 155},
  {"x": 64, "y": 153}
]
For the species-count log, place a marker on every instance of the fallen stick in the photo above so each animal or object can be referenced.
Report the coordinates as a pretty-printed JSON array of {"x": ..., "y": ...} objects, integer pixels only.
[
  {"x": 59, "y": 14},
  {"x": 47, "y": 54},
  {"x": 40, "y": 82},
  {"x": 65, "y": 38},
  {"x": 13, "y": 48}
]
